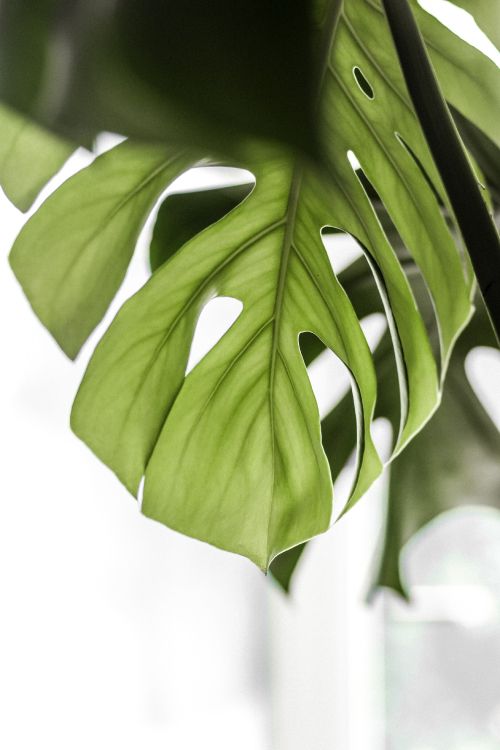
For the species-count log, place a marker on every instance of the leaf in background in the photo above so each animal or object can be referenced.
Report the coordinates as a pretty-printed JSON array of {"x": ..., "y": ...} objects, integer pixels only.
[
  {"x": 189, "y": 71},
  {"x": 484, "y": 151},
  {"x": 453, "y": 461},
  {"x": 245, "y": 68},
  {"x": 71, "y": 256},
  {"x": 29, "y": 157}
]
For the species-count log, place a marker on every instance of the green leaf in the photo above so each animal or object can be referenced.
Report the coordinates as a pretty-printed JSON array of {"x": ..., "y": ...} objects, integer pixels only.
[
  {"x": 244, "y": 68},
  {"x": 241, "y": 430},
  {"x": 29, "y": 157},
  {"x": 470, "y": 82},
  {"x": 72, "y": 255},
  {"x": 486, "y": 154},
  {"x": 231, "y": 453},
  {"x": 453, "y": 462},
  {"x": 338, "y": 428}
]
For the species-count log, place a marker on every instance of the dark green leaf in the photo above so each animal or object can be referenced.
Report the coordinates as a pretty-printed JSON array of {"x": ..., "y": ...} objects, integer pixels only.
[
  {"x": 187, "y": 71},
  {"x": 231, "y": 453},
  {"x": 183, "y": 215}
]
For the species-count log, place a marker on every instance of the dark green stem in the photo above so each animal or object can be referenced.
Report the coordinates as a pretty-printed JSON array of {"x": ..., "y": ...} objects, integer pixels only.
[{"x": 471, "y": 212}]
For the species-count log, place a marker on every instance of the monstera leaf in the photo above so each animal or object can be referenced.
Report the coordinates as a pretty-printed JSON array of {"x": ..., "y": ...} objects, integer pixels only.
[
  {"x": 231, "y": 453},
  {"x": 241, "y": 430},
  {"x": 454, "y": 461}
]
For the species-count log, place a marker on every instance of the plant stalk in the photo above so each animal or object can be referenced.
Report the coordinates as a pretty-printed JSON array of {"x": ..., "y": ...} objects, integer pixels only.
[{"x": 471, "y": 212}]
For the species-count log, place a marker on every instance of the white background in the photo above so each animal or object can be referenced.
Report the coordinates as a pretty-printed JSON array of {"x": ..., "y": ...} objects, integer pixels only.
[{"x": 118, "y": 633}]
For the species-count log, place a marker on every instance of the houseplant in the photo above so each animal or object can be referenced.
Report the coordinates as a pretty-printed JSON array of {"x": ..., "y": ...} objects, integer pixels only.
[{"x": 232, "y": 453}]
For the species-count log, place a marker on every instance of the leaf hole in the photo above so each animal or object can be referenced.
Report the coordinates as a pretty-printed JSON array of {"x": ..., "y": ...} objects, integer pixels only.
[
  {"x": 374, "y": 326},
  {"x": 329, "y": 377},
  {"x": 140, "y": 492},
  {"x": 341, "y": 248},
  {"x": 332, "y": 385},
  {"x": 363, "y": 82},
  {"x": 482, "y": 366},
  {"x": 197, "y": 199},
  {"x": 211, "y": 178},
  {"x": 214, "y": 321}
]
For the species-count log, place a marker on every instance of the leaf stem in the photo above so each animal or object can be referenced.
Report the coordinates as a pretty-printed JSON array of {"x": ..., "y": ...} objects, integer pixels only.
[{"x": 471, "y": 212}]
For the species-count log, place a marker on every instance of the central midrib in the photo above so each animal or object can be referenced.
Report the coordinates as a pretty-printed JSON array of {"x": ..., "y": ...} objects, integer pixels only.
[
  {"x": 286, "y": 247},
  {"x": 331, "y": 20}
]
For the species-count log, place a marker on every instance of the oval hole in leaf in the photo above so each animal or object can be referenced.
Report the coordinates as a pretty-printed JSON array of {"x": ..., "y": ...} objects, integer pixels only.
[
  {"x": 215, "y": 320},
  {"x": 363, "y": 82}
]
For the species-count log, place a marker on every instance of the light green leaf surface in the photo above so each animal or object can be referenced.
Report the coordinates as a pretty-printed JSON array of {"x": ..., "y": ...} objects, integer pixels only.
[
  {"x": 71, "y": 256},
  {"x": 29, "y": 157},
  {"x": 471, "y": 83},
  {"x": 232, "y": 454},
  {"x": 238, "y": 461}
]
